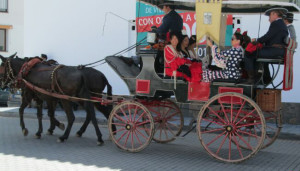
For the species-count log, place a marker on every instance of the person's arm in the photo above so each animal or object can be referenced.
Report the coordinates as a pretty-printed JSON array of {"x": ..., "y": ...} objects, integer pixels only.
[
  {"x": 271, "y": 33},
  {"x": 219, "y": 58},
  {"x": 292, "y": 32},
  {"x": 165, "y": 26}
]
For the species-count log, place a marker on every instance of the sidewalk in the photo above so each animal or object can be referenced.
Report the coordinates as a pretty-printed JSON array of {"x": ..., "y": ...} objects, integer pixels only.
[{"x": 287, "y": 132}]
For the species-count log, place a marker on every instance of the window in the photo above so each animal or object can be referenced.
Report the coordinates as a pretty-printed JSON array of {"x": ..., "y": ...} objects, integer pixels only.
[
  {"x": 2, "y": 40},
  {"x": 3, "y": 5}
]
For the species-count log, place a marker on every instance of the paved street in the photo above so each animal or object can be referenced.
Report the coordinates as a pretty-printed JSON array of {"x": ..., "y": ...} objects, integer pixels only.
[{"x": 27, "y": 153}]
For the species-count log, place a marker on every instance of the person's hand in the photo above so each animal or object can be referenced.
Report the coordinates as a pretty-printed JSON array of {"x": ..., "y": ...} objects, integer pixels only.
[
  {"x": 209, "y": 42},
  {"x": 253, "y": 40}
]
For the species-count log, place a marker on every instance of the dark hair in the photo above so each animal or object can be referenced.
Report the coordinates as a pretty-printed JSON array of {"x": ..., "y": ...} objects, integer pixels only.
[
  {"x": 239, "y": 37},
  {"x": 279, "y": 13},
  {"x": 172, "y": 7},
  {"x": 179, "y": 37},
  {"x": 192, "y": 40}
]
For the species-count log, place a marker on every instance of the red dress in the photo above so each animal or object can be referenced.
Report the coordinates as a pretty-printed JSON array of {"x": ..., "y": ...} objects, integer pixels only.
[{"x": 174, "y": 59}]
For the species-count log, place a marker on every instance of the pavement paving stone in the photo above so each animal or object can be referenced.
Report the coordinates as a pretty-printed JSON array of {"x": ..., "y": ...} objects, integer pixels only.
[{"x": 27, "y": 153}]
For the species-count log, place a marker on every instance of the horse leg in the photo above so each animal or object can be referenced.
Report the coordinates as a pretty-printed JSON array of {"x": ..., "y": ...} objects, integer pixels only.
[
  {"x": 53, "y": 121},
  {"x": 40, "y": 117},
  {"x": 21, "y": 115},
  {"x": 90, "y": 111},
  {"x": 84, "y": 126},
  {"x": 106, "y": 112},
  {"x": 70, "y": 115}
]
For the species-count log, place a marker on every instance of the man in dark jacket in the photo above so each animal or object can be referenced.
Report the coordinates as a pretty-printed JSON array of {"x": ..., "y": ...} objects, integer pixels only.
[
  {"x": 273, "y": 44},
  {"x": 172, "y": 21}
]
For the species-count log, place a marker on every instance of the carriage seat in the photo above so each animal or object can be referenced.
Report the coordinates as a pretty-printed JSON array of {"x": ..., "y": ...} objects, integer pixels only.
[{"x": 277, "y": 60}]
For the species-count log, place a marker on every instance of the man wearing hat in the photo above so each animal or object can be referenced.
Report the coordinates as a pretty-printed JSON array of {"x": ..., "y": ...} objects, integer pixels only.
[
  {"x": 172, "y": 21},
  {"x": 273, "y": 44},
  {"x": 288, "y": 20}
]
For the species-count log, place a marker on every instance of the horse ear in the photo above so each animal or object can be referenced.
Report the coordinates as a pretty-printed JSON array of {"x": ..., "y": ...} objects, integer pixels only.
[
  {"x": 2, "y": 58},
  {"x": 13, "y": 55}
]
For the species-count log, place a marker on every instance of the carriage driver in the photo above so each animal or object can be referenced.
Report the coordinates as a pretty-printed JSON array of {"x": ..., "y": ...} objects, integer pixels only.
[
  {"x": 172, "y": 21},
  {"x": 273, "y": 44}
]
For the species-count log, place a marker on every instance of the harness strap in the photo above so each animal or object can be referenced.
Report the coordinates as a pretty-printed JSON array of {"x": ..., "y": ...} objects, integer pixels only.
[{"x": 54, "y": 79}]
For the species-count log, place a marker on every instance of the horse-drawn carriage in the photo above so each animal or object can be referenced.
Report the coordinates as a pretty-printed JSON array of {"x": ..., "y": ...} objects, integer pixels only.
[{"x": 236, "y": 119}]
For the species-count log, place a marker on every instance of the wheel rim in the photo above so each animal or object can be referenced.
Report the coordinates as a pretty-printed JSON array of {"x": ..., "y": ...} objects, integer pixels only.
[
  {"x": 134, "y": 126},
  {"x": 168, "y": 120},
  {"x": 223, "y": 124},
  {"x": 273, "y": 127}
]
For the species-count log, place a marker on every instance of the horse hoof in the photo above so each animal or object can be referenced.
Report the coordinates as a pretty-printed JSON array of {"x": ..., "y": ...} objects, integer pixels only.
[
  {"x": 49, "y": 132},
  {"x": 60, "y": 140},
  {"x": 25, "y": 132},
  {"x": 38, "y": 136},
  {"x": 61, "y": 126},
  {"x": 100, "y": 143},
  {"x": 78, "y": 134}
]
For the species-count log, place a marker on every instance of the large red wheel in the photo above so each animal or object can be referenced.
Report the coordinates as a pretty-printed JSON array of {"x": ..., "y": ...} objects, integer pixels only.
[
  {"x": 134, "y": 126},
  {"x": 223, "y": 125},
  {"x": 168, "y": 120},
  {"x": 274, "y": 125}
]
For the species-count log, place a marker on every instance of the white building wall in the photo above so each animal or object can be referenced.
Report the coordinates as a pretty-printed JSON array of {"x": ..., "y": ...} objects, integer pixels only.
[
  {"x": 71, "y": 32},
  {"x": 15, "y": 36}
]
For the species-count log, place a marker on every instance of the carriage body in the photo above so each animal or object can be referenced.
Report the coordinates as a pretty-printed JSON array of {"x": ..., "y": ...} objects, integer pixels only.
[{"x": 231, "y": 125}]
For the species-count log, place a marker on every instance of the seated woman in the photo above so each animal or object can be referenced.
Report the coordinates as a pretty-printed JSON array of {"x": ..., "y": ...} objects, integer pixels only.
[
  {"x": 175, "y": 63},
  {"x": 191, "y": 48},
  {"x": 228, "y": 60}
]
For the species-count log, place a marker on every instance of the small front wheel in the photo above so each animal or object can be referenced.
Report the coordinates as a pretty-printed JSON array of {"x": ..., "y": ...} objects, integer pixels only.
[{"x": 134, "y": 126}]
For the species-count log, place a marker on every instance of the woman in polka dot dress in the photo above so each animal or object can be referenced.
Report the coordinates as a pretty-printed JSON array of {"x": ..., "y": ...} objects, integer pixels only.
[{"x": 228, "y": 60}]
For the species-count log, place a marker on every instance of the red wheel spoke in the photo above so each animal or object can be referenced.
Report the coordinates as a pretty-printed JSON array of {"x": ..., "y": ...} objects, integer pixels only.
[
  {"x": 122, "y": 129},
  {"x": 229, "y": 150},
  {"x": 119, "y": 118},
  {"x": 132, "y": 140},
  {"x": 216, "y": 114},
  {"x": 224, "y": 112},
  {"x": 129, "y": 112},
  {"x": 140, "y": 116},
  {"x": 250, "y": 124},
  {"x": 271, "y": 127},
  {"x": 245, "y": 116},
  {"x": 213, "y": 130},
  {"x": 174, "y": 114},
  {"x": 137, "y": 138},
  {"x": 141, "y": 134},
  {"x": 212, "y": 122},
  {"x": 247, "y": 144},
  {"x": 124, "y": 113},
  {"x": 222, "y": 143},
  {"x": 173, "y": 124},
  {"x": 170, "y": 129},
  {"x": 135, "y": 112},
  {"x": 142, "y": 123},
  {"x": 125, "y": 143},
  {"x": 248, "y": 133},
  {"x": 238, "y": 114},
  {"x": 238, "y": 147},
  {"x": 122, "y": 136},
  {"x": 231, "y": 111},
  {"x": 166, "y": 133},
  {"x": 215, "y": 139},
  {"x": 166, "y": 113},
  {"x": 119, "y": 124}
]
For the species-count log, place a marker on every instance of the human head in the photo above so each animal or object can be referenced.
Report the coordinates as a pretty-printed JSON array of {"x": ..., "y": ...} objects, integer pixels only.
[
  {"x": 44, "y": 57},
  {"x": 192, "y": 41},
  {"x": 167, "y": 7},
  {"x": 184, "y": 41},
  {"x": 289, "y": 18},
  {"x": 175, "y": 38},
  {"x": 237, "y": 39},
  {"x": 275, "y": 13}
]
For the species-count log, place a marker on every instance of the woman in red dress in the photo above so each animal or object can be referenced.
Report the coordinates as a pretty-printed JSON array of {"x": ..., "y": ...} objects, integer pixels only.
[{"x": 178, "y": 66}]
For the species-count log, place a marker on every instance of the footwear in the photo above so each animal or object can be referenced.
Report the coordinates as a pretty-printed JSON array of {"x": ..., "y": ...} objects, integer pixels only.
[{"x": 251, "y": 77}]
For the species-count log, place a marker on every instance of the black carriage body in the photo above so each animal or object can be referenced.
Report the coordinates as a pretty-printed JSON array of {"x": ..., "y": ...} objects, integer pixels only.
[{"x": 145, "y": 82}]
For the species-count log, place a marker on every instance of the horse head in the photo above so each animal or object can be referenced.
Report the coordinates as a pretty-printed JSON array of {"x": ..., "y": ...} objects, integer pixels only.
[{"x": 9, "y": 69}]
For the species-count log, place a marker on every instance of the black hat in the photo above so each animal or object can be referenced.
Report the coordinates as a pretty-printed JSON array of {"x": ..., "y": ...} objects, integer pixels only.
[
  {"x": 166, "y": 4},
  {"x": 289, "y": 16},
  {"x": 283, "y": 11}
]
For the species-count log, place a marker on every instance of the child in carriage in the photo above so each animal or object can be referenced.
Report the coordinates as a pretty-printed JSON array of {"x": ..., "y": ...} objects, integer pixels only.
[{"x": 228, "y": 60}]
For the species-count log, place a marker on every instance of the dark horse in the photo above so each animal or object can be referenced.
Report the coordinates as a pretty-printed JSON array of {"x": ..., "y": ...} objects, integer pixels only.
[{"x": 70, "y": 80}]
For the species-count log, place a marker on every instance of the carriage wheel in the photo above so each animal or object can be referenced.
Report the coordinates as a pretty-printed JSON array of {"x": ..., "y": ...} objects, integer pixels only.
[
  {"x": 274, "y": 125},
  {"x": 223, "y": 125},
  {"x": 168, "y": 120},
  {"x": 134, "y": 126}
]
